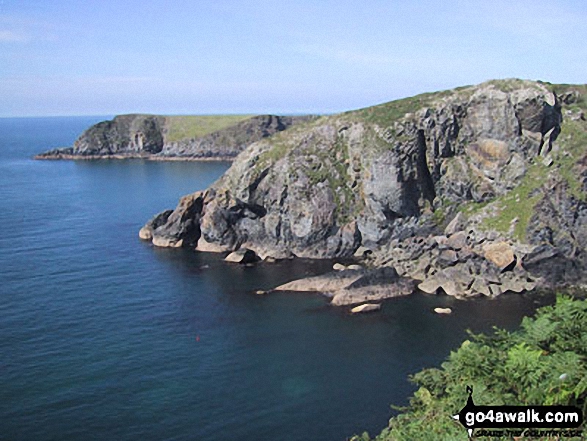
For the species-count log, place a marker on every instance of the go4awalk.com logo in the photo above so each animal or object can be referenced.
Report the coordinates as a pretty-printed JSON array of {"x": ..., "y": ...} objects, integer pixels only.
[{"x": 529, "y": 421}]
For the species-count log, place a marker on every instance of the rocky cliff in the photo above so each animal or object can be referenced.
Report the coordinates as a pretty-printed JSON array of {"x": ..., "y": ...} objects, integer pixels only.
[
  {"x": 182, "y": 137},
  {"x": 477, "y": 190}
]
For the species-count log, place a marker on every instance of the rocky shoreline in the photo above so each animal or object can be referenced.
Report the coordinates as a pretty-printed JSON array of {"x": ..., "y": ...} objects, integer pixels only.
[
  {"x": 56, "y": 156},
  {"x": 477, "y": 191}
]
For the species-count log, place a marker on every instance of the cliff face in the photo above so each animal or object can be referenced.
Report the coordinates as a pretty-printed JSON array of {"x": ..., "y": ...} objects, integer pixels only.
[
  {"x": 507, "y": 156},
  {"x": 161, "y": 137}
]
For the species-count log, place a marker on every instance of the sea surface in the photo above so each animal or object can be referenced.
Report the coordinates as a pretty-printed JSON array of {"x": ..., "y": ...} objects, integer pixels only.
[{"x": 103, "y": 337}]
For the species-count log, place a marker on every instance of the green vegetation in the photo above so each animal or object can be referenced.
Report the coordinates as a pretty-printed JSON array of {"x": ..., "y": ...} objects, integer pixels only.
[
  {"x": 193, "y": 126},
  {"x": 573, "y": 142},
  {"x": 518, "y": 203},
  {"x": 542, "y": 363},
  {"x": 387, "y": 113},
  {"x": 510, "y": 84}
]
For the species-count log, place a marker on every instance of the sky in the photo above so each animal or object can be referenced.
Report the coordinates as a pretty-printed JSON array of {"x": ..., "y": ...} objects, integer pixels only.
[{"x": 105, "y": 57}]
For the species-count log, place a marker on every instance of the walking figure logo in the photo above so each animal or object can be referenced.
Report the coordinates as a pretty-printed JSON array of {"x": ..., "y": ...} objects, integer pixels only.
[{"x": 523, "y": 418}]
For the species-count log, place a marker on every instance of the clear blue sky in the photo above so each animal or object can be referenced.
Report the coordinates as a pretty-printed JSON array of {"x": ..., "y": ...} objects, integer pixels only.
[{"x": 97, "y": 57}]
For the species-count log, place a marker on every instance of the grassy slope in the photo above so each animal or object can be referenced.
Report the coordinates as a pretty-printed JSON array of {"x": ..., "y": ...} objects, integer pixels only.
[{"x": 193, "y": 126}]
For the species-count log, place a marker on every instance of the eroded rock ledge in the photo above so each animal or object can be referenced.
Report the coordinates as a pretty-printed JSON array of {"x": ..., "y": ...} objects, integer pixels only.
[{"x": 477, "y": 191}]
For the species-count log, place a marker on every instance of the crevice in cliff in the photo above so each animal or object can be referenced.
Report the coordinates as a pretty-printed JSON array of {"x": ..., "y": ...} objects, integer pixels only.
[
  {"x": 425, "y": 181},
  {"x": 552, "y": 119}
]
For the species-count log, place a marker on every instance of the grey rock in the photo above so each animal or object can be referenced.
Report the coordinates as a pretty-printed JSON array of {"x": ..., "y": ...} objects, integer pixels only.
[
  {"x": 447, "y": 258},
  {"x": 243, "y": 256},
  {"x": 456, "y": 224},
  {"x": 458, "y": 240}
]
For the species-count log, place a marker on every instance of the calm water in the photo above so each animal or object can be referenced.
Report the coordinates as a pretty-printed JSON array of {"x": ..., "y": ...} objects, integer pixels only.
[{"x": 104, "y": 337}]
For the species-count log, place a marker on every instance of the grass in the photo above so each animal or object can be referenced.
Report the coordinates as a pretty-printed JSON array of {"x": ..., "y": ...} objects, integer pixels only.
[
  {"x": 518, "y": 203},
  {"x": 573, "y": 142},
  {"x": 385, "y": 114},
  {"x": 194, "y": 126}
]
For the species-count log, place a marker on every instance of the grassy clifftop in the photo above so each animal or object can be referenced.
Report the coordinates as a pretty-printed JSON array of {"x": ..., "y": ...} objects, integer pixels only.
[{"x": 179, "y": 127}]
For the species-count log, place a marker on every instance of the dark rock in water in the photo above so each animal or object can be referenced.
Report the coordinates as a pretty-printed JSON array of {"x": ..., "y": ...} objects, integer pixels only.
[
  {"x": 243, "y": 256},
  {"x": 373, "y": 285},
  {"x": 182, "y": 227},
  {"x": 146, "y": 233}
]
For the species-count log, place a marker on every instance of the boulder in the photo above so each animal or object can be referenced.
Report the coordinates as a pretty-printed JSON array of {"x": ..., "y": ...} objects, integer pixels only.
[
  {"x": 430, "y": 285},
  {"x": 373, "y": 285},
  {"x": 366, "y": 307},
  {"x": 167, "y": 242},
  {"x": 500, "y": 254},
  {"x": 447, "y": 258},
  {"x": 324, "y": 283},
  {"x": 456, "y": 224},
  {"x": 354, "y": 267},
  {"x": 362, "y": 252},
  {"x": 146, "y": 233},
  {"x": 338, "y": 267},
  {"x": 242, "y": 255},
  {"x": 480, "y": 286},
  {"x": 442, "y": 310},
  {"x": 458, "y": 240}
]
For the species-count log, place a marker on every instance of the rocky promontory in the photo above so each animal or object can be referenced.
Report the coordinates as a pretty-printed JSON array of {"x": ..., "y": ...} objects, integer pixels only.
[
  {"x": 220, "y": 137},
  {"x": 475, "y": 191}
]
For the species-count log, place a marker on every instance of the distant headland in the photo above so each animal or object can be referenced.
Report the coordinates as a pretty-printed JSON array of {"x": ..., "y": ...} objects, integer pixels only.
[{"x": 165, "y": 138}]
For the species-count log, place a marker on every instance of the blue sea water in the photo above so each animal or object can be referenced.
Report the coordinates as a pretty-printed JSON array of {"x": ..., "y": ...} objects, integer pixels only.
[{"x": 103, "y": 336}]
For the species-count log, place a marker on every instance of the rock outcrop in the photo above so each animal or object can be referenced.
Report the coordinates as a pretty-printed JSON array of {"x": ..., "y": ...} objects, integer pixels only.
[
  {"x": 450, "y": 189},
  {"x": 173, "y": 137}
]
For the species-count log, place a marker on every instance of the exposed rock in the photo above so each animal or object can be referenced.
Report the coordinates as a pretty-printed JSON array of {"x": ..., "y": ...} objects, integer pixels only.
[
  {"x": 500, "y": 254},
  {"x": 458, "y": 240},
  {"x": 447, "y": 258},
  {"x": 242, "y": 255},
  {"x": 362, "y": 252},
  {"x": 430, "y": 285},
  {"x": 366, "y": 307},
  {"x": 481, "y": 286},
  {"x": 353, "y": 295},
  {"x": 338, "y": 267},
  {"x": 146, "y": 233},
  {"x": 182, "y": 226},
  {"x": 456, "y": 224},
  {"x": 328, "y": 282}
]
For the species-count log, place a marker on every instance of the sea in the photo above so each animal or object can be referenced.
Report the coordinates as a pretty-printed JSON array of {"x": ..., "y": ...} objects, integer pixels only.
[{"x": 104, "y": 337}]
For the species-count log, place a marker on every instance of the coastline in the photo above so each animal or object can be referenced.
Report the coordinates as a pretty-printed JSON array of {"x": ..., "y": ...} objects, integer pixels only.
[{"x": 66, "y": 157}]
